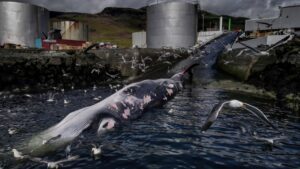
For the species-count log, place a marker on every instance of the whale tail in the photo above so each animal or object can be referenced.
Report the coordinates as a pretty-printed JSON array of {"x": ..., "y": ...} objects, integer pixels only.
[{"x": 179, "y": 76}]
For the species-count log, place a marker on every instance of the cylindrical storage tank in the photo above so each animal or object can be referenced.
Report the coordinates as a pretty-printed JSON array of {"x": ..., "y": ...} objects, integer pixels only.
[
  {"x": 72, "y": 30},
  {"x": 172, "y": 24},
  {"x": 20, "y": 23}
]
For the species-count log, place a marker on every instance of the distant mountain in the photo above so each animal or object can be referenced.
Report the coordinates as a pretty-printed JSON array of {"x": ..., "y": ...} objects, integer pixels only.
[{"x": 117, "y": 24}]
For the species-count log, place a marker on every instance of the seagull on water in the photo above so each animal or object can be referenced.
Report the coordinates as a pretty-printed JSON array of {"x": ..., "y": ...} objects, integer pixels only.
[
  {"x": 235, "y": 104},
  {"x": 269, "y": 141},
  {"x": 96, "y": 150}
]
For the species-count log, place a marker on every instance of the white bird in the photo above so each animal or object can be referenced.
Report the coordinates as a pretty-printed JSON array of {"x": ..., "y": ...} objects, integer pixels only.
[
  {"x": 12, "y": 131},
  {"x": 66, "y": 101},
  {"x": 269, "y": 141},
  {"x": 51, "y": 97},
  {"x": 28, "y": 95},
  {"x": 96, "y": 150},
  {"x": 94, "y": 87},
  {"x": 227, "y": 62},
  {"x": 97, "y": 98},
  {"x": 55, "y": 164},
  {"x": 98, "y": 71},
  {"x": 112, "y": 76},
  {"x": 241, "y": 52},
  {"x": 167, "y": 62},
  {"x": 18, "y": 155},
  {"x": 235, "y": 104},
  {"x": 68, "y": 150},
  {"x": 124, "y": 60}
]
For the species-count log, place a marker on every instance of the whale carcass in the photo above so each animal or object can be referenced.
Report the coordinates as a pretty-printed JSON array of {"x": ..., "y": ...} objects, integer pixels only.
[{"x": 126, "y": 104}]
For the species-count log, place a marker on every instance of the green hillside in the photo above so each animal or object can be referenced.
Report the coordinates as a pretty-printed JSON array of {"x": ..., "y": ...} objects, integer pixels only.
[{"x": 117, "y": 24}]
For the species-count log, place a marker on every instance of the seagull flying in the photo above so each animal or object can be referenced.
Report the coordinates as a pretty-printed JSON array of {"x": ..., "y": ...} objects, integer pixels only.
[{"x": 235, "y": 104}]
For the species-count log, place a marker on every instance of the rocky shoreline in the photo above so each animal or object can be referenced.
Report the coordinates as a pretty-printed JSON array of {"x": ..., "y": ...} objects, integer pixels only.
[
  {"x": 278, "y": 72},
  {"x": 31, "y": 70}
]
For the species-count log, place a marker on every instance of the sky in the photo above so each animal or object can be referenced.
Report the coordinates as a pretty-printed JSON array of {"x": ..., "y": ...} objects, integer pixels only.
[{"x": 245, "y": 8}]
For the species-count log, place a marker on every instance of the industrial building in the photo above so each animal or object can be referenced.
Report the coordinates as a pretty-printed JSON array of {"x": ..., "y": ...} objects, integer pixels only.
[
  {"x": 22, "y": 24},
  {"x": 72, "y": 30},
  {"x": 287, "y": 20},
  {"x": 139, "y": 39}
]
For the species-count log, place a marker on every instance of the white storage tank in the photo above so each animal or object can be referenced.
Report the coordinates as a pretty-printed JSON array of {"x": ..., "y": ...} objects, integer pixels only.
[
  {"x": 172, "y": 24},
  {"x": 22, "y": 23}
]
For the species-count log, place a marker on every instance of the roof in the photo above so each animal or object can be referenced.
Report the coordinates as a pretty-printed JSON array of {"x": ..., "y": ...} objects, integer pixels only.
[{"x": 291, "y": 6}]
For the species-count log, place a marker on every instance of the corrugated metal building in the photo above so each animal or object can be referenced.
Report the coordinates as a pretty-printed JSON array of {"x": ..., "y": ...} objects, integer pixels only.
[
  {"x": 289, "y": 18},
  {"x": 72, "y": 30},
  {"x": 22, "y": 23},
  {"x": 139, "y": 39}
]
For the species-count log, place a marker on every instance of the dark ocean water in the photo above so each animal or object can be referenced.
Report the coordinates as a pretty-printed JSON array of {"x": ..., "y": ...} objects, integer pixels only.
[{"x": 166, "y": 137}]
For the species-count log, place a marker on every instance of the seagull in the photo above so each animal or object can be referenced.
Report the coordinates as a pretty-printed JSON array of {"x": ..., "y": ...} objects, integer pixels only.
[
  {"x": 94, "y": 87},
  {"x": 68, "y": 150},
  {"x": 66, "y": 101},
  {"x": 51, "y": 97},
  {"x": 28, "y": 95},
  {"x": 269, "y": 141},
  {"x": 124, "y": 60},
  {"x": 18, "y": 155},
  {"x": 97, "y": 98},
  {"x": 55, "y": 164},
  {"x": 227, "y": 62},
  {"x": 235, "y": 104},
  {"x": 112, "y": 76},
  {"x": 12, "y": 131},
  {"x": 241, "y": 52},
  {"x": 96, "y": 150},
  {"x": 167, "y": 62},
  {"x": 147, "y": 59},
  {"x": 98, "y": 71}
]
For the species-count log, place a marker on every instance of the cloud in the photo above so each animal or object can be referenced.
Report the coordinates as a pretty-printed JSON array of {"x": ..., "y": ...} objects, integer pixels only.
[{"x": 246, "y": 8}]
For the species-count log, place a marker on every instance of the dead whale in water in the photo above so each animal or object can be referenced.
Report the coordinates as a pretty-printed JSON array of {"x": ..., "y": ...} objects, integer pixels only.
[{"x": 126, "y": 104}]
